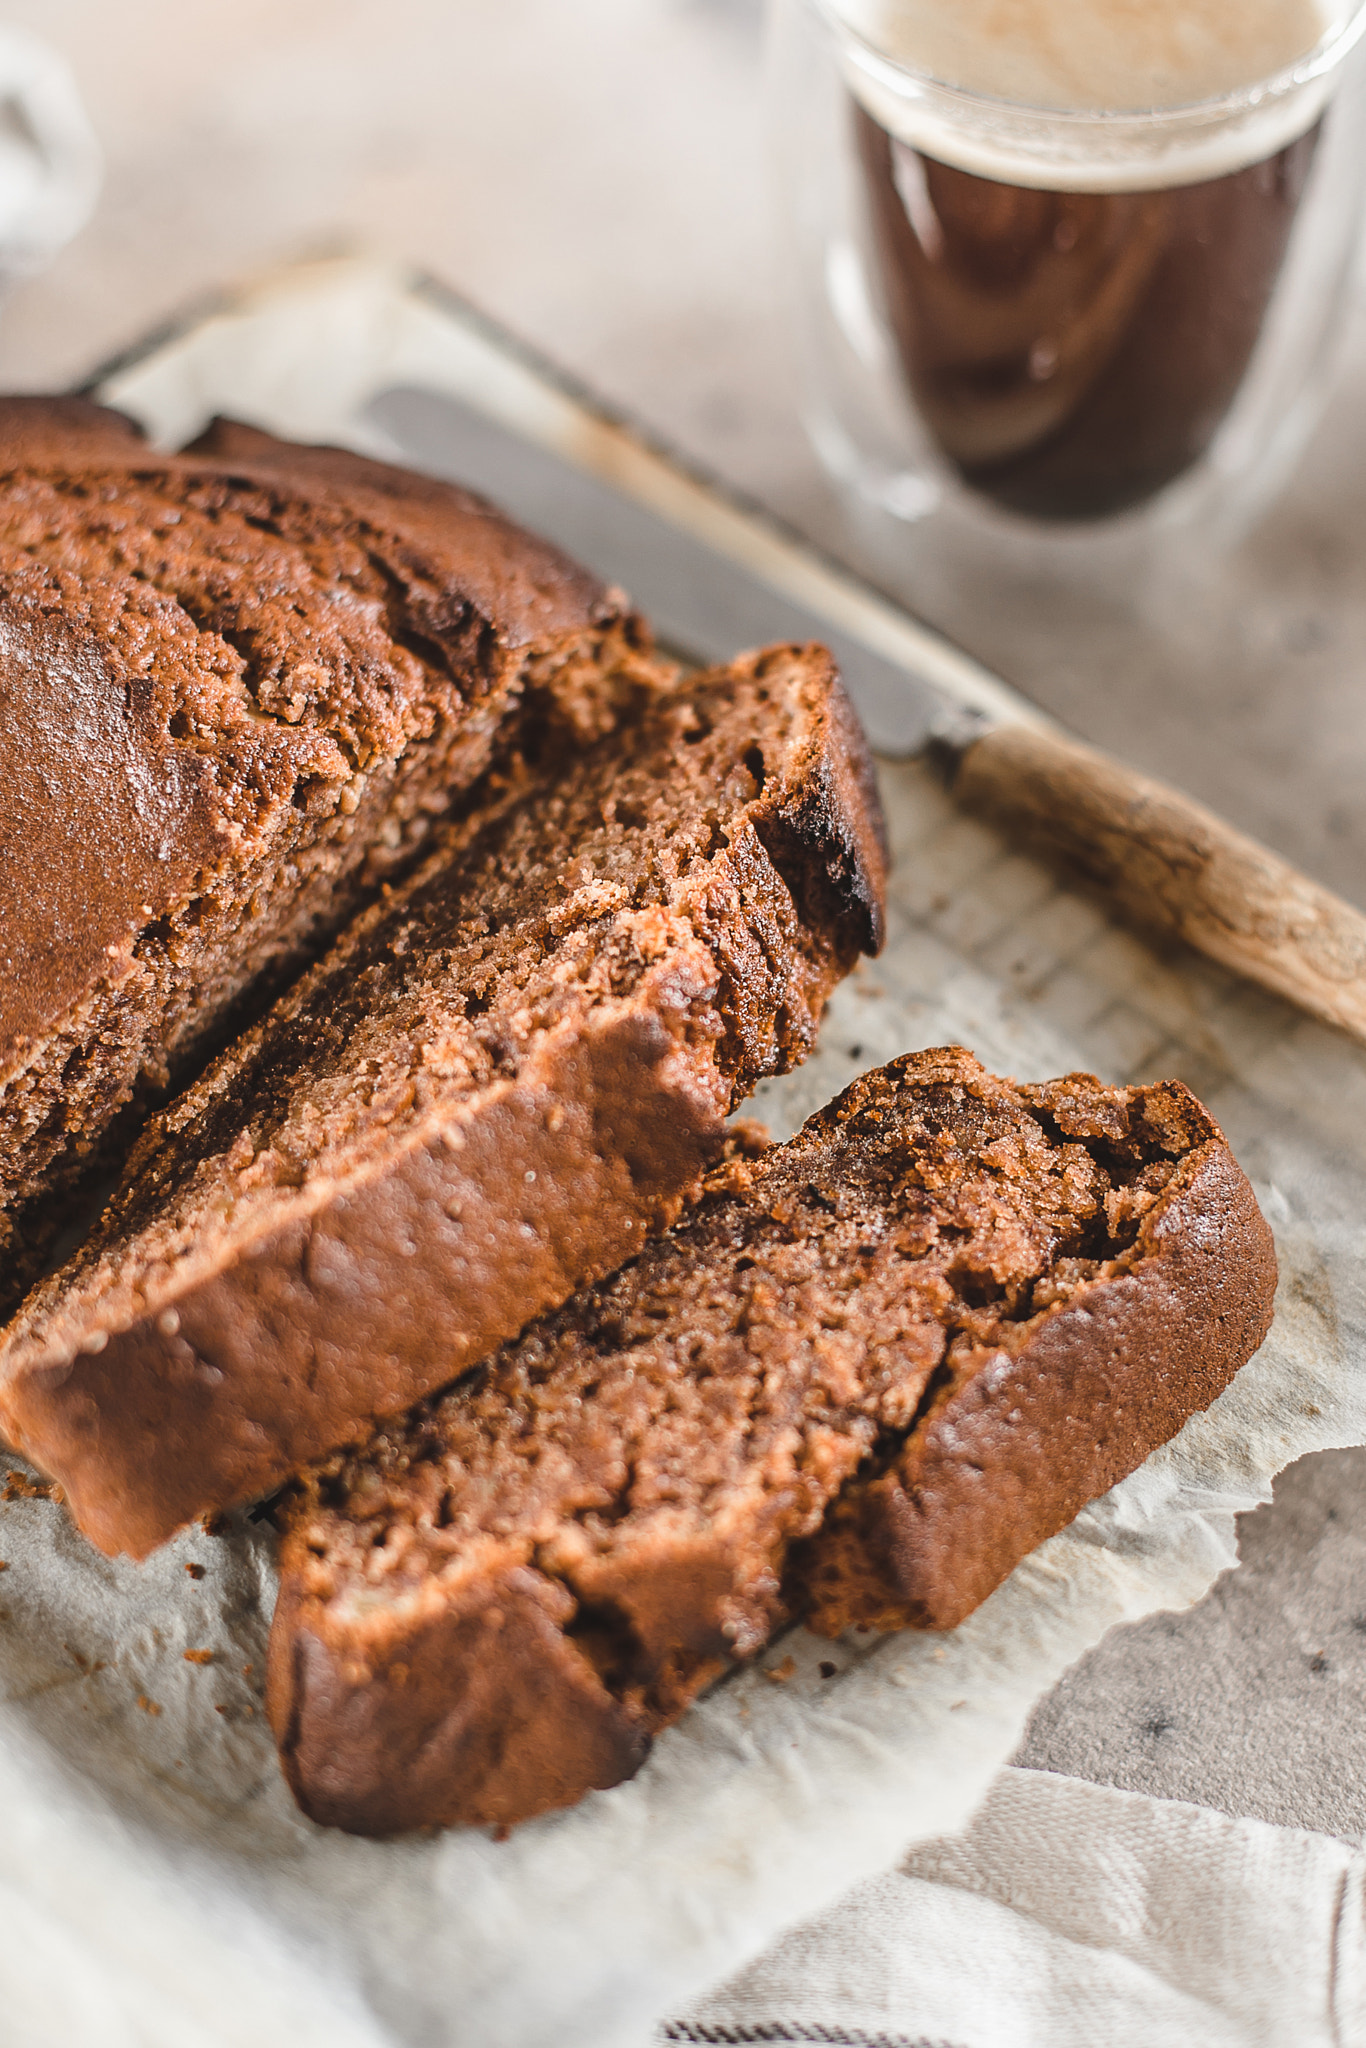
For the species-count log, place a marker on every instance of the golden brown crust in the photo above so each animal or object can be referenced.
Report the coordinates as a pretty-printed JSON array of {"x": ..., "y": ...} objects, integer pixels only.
[
  {"x": 41, "y": 428},
  {"x": 106, "y": 827},
  {"x": 232, "y": 698},
  {"x": 527, "y": 586},
  {"x": 113, "y": 809},
  {"x": 1020, "y": 1442},
  {"x": 316, "y": 1328}
]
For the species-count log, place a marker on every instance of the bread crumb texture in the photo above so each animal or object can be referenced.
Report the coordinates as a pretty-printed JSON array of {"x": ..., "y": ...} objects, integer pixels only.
[{"x": 738, "y": 1428}]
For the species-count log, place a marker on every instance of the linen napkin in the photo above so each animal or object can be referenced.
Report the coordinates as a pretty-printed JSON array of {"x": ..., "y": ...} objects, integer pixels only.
[{"x": 1069, "y": 1915}]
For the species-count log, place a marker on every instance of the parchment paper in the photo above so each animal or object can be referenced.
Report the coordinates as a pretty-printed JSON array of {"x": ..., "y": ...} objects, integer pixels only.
[{"x": 156, "y": 1884}]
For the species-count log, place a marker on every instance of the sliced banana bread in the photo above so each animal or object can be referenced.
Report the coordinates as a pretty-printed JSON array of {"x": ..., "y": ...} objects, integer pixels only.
[
  {"x": 234, "y": 687},
  {"x": 856, "y": 1385},
  {"x": 501, "y": 1080}
]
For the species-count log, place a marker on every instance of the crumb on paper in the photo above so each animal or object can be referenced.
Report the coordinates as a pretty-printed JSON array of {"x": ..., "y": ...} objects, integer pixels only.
[
  {"x": 247, "y": 1670},
  {"x": 18, "y": 1486},
  {"x": 778, "y": 1674},
  {"x": 827, "y": 1669},
  {"x": 216, "y": 1524},
  {"x": 89, "y": 1665},
  {"x": 198, "y": 1656},
  {"x": 196, "y": 1571},
  {"x": 148, "y": 1706},
  {"x": 748, "y": 1138}
]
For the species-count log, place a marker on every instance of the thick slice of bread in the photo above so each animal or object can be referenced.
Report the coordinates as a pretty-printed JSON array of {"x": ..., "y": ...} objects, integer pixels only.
[
  {"x": 497, "y": 1084},
  {"x": 235, "y": 686},
  {"x": 856, "y": 1385}
]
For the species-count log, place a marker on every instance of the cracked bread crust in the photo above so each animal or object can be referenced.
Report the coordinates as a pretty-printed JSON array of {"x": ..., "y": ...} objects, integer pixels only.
[
  {"x": 868, "y": 1373},
  {"x": 496, "y": 1086},
  {"x": 1019, "y": 1432},
  {"x": 235, "y": 689}
]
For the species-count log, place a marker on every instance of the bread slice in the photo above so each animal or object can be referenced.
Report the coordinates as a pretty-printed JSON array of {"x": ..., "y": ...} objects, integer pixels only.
[
  {"x": 235, "y": 686},
  {"x": 867, "y": 1374},
  {"x": 491, "y": 1091}
]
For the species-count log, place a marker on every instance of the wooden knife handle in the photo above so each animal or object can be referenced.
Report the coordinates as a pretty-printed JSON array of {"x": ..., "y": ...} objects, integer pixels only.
[{"x": 1174, "y": 865}]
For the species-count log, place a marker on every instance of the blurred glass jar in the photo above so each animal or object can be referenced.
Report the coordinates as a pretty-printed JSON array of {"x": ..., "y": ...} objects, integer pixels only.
[
  {"x": 50, "y": 164},
  {"x": 1067, "y": 260}
]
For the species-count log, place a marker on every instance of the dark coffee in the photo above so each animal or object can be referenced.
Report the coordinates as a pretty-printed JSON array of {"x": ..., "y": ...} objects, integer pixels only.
[{"x": 1072, "y": 352}]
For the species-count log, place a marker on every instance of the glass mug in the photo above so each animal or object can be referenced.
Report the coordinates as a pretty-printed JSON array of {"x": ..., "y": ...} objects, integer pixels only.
[{"x": 1067, "y": 260}]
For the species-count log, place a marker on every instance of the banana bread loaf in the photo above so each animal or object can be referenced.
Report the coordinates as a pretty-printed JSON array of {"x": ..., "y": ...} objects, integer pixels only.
[
  {"x": 866, "y": 1375},
  {"x": 234, "y": 686},
  {"x": 497, "y": 1084}
]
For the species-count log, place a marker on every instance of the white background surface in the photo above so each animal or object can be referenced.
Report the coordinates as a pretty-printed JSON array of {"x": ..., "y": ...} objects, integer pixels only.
[{"x": 588, "y": 172}]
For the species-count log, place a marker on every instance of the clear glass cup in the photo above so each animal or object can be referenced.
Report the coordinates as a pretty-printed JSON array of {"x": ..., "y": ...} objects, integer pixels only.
[{"x": 1067, "y": 265}]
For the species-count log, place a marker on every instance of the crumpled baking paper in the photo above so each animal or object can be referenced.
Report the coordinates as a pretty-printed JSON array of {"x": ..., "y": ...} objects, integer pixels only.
[{"x": 157, "y": 1885}]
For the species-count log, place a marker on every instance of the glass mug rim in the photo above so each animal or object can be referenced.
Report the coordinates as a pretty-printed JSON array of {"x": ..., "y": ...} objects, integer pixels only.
[
  {"x": 907, "y": 82},
  {"x": 907, "y": 432}
]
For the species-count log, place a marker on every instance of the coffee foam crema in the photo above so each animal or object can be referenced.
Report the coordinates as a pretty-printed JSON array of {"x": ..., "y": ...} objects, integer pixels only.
[{"x": 1118, "y": 58}]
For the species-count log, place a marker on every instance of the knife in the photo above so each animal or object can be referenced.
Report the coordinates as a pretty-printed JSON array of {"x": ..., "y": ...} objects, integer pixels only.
[{"x": 716, "y": 573}]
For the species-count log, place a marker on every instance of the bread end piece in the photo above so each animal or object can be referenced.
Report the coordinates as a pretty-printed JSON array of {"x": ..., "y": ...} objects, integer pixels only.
[
  {"x": 478, "y": 1718},
  {"x": 1013, "y": 1447},
  {"x": 38, "y": 427}
]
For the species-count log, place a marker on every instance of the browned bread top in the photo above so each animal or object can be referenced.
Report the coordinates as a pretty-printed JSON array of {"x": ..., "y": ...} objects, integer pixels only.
[
  {"x": 196, "y": 650},
  {"x": 235, "y": 687},
  {"x": 499, "y": 1081},
  {"x": 873, "y": 1368},
  {"x": 46, "y": 429},
  {"x": 525, "y": 588}
]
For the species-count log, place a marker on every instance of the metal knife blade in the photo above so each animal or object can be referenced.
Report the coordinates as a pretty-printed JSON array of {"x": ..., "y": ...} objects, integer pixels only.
[
  {"x": 703, "y": 604},
  {"x": 717, "y": 576}
]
